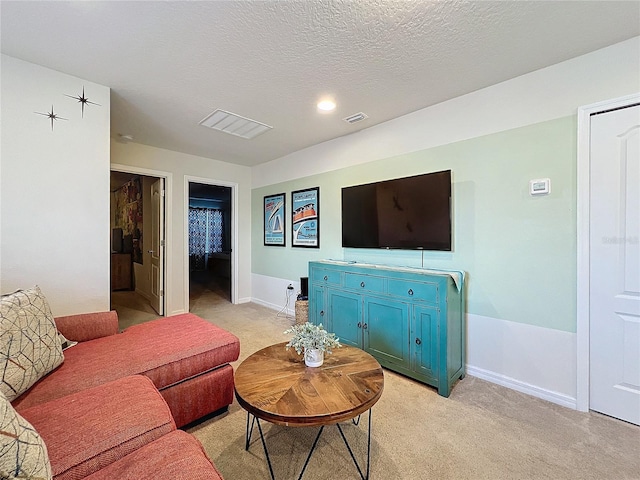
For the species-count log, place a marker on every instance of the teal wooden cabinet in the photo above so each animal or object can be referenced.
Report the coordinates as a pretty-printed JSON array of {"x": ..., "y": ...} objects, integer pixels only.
[
  {"x": 424, "y": 329},
  {"x": 344, "y": 312},
  {"x": 386, "y": 331},
  {"x": 411, "y": 320}
]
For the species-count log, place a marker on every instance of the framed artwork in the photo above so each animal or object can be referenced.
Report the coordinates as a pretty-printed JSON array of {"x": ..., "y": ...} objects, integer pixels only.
[
  {"x": 274, "y": 220},
  {"x": 128, "y": 217},
  {"x": 305, "y": 218}
]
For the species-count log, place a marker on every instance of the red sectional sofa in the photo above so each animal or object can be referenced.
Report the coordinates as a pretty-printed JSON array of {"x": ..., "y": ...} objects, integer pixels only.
[
  {"x": 186, "y": 358},
  {"x": 110, "y": 411},
  {"x": 119, "y": 430}
]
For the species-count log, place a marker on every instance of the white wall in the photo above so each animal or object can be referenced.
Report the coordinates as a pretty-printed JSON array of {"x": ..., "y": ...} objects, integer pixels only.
[
  {"x": 537, "y": 360},
  {"x": 181, "y": 165},
  {"x": 54, "y": 200}
]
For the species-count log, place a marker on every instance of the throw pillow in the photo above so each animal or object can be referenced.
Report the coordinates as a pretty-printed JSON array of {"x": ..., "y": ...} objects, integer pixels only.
[
  {"x": 29, "y": 345},
  {"x": 64, "y": 342},
  {"x": 23, "y": 454}
]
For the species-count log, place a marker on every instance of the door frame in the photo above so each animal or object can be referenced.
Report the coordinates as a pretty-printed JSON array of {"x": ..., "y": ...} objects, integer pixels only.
[
  {"x": 168, "y": 188},
  {"x": 234, "y": 233},
  {"x": 583, "y": 244}
]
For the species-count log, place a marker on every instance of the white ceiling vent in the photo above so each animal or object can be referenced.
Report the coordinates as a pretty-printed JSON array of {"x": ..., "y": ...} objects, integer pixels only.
[
  {"x": 355, "y": 118},
  {"x": 233, "y": 124}
]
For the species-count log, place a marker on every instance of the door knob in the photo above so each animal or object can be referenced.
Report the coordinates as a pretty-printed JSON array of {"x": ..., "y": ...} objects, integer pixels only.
[
  {"x": 150, "y": 251},
  {"x": 322, "y": 313},
  {"x": 418, "y": 341},
  {"x": 362, "y": 284}
]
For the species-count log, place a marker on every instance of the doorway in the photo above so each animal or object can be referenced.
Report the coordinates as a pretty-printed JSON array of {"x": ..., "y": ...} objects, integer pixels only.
[
  {"x": 209, "y": 219},
  {"x": 137, "y": 247},
  {"x": 608, "y": 327}
]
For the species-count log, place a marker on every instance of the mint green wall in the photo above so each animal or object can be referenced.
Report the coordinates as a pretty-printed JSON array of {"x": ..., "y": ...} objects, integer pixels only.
[{"x": 519, "y": 251}]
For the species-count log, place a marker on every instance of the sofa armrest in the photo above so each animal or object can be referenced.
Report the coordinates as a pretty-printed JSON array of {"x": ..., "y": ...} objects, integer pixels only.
[{"x": 87, "y": 326}]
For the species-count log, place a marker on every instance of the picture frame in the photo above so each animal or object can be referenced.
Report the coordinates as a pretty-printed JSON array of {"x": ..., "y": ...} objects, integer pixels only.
[
  {"x": 305, "y": 218},
  {"x": 275, "y": 220}
]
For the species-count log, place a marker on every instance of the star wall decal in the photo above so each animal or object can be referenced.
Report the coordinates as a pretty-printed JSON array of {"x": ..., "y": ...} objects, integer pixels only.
[
  {"x": 52, "y": 116},
  {"x": 83, "y": 100}
]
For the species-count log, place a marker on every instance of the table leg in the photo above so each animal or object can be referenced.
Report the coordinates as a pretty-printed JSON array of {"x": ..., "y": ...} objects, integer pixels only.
[
  {"x": 364, "y": 477},
  {"x": 255, "y": 420},
  {"x": 315, "y": 442},
  {"x": 264, "y": 446},
  {"x": 249, "y": 431}
]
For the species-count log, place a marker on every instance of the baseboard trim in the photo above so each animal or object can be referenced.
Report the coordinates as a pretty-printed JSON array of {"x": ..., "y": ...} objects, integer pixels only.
[
  {"x": 143, "y": 294},
  {"x": 512, "y": 383},
  {"x": 273, "y": 306}
]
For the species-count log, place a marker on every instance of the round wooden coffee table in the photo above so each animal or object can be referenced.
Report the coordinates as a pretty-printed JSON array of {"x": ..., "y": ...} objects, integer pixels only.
[{"x": 275, "y": 385}]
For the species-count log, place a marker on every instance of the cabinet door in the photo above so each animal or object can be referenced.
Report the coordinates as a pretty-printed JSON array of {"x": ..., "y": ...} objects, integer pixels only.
[
  {"x": 424, "y": 341},
  {"x": 317, "y": 298},
  {"x": 344, "y": 314},
  {"x": 386, "y": 331}
]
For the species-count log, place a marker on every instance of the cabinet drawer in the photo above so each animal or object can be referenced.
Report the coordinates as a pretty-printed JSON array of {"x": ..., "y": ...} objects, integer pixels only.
[
  {"x": 417, "y": 291},
  {"x": 364, "y": 282},
  {"x": 326, "y": 276}
]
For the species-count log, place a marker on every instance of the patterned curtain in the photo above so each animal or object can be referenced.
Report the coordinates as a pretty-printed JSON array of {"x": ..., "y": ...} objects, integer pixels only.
[{"x": 205, "y": 235}]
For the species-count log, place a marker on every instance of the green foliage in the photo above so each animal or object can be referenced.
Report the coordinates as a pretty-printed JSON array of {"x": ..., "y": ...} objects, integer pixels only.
[{"x": 308, "y": 336}]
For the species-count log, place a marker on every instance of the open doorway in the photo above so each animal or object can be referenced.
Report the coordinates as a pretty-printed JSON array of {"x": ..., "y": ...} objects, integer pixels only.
[
  {"x": 137, "y": 247},
  {"x": 210, "y": 244}
]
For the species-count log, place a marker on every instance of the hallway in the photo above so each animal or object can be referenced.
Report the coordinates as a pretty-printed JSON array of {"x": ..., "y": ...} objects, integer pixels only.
[
  {"x": 132, "y": 308},
  {"x": 205, "y": 292}
]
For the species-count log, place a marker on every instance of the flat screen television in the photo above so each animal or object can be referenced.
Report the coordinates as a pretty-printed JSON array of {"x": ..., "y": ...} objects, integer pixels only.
[{"x": 412, "y": 213}]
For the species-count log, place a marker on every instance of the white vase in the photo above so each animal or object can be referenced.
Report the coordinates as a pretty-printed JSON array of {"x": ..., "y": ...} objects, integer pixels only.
[{"x": 313, "y": 357}]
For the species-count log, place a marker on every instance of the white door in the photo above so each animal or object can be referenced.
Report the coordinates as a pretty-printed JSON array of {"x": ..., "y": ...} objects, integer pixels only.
[
  {"x": 157, "y": 246},
  {"x": 614, "y": 331}
]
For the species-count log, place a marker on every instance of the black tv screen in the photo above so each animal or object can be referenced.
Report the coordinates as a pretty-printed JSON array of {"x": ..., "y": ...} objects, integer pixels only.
[{"x": 405, "y": 213}]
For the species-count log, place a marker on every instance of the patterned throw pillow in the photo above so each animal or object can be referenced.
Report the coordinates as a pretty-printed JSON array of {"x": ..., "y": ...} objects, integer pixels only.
[
  {"x": 65, "y": 343},
  {"x": 29, "y": 345},
  {"x": 23, "y": 454}
]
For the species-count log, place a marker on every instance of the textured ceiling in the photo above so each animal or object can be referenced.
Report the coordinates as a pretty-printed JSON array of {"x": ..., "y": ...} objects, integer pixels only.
[{"x": 170, "y": 64}]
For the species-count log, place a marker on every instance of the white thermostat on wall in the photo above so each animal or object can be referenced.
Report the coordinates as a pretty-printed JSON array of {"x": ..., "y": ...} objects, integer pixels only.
[{"x": 540, "y": 186}]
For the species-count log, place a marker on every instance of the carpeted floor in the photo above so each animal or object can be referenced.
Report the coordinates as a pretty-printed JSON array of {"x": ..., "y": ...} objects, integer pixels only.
[{"x": 482, "y": 431}]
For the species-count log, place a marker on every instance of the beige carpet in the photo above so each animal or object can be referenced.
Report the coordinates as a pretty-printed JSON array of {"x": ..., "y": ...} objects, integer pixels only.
[{"x": 482, "y": 431}]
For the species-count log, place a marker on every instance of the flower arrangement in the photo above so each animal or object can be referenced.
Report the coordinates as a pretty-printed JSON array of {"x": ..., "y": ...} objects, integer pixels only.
[{"x": 308, "y": 336}]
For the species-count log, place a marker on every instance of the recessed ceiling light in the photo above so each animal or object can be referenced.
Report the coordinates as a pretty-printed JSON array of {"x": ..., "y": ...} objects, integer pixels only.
[{"x": 326, "y": 105}]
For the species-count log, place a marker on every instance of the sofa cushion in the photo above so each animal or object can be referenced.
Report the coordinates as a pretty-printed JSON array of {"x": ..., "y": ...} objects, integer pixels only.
[
  {"x": 176, "y": 456},
  {"x": 23, "y": 453},
  {"x": 88, "y": 430},
  {"x": 167, "y": 350},
  {"x": 29, "y": 343},
  {"x": 180, "y": 347}
]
